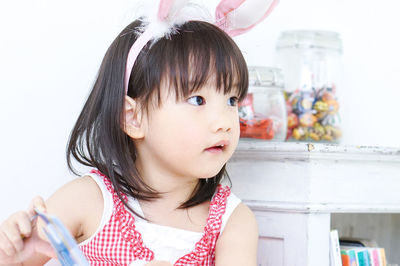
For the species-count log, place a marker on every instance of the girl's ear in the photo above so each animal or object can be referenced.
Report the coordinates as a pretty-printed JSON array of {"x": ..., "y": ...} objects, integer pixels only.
[{"x": 133, "y": 125}]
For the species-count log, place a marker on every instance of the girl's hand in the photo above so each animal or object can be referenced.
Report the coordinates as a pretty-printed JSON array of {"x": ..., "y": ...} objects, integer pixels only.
[
  {"x": 158, "y": 263},
  {"x": 19, "y": 238}
]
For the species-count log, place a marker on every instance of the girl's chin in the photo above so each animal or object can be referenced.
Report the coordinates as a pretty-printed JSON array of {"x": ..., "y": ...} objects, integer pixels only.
[{"x": 209, "y": 174}]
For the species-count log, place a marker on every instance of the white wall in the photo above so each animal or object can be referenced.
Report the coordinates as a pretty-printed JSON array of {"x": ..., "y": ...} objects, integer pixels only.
[{"x": 50, "y": 51}]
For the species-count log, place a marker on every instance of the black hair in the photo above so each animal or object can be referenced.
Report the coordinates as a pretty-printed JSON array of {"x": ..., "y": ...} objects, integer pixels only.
[{"x": 187, "y": 59}]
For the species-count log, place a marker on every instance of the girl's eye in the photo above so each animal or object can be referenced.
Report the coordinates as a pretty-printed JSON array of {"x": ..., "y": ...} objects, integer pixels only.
[
  {"x": 233, "y": 101},
  {"x": 196, "y": 100}
]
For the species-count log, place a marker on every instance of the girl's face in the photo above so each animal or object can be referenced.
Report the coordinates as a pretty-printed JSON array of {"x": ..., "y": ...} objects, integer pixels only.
[{"x": 192, "y": 137}]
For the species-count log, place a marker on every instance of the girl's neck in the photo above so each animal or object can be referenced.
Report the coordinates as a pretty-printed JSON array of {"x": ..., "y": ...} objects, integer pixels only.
[{"x": 174, "y": 189}]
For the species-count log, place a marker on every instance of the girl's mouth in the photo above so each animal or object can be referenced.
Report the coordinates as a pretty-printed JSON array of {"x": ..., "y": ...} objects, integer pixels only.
[
  {"x": 218, "y": 147},
  {"x": 215, "y": 149}
]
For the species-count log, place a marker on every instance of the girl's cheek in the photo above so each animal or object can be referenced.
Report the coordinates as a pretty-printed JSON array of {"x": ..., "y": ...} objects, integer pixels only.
[{"x": 237, "y": 132}]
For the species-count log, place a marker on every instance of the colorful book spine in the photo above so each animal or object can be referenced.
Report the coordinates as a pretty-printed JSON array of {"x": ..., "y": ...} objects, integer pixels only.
[
  {"x": 374, "y": 256},
  {"x": 362, "y": 257},
  {"x": 382, "y": 257},
  {"x": 348, "y": 257}
]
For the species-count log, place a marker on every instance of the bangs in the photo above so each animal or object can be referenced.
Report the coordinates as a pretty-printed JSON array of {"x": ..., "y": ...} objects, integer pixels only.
[{"x": 199, "y": 55}]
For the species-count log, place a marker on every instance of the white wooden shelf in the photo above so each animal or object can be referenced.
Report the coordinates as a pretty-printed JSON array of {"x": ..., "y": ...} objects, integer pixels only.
[{"x": 293, "y": 188}]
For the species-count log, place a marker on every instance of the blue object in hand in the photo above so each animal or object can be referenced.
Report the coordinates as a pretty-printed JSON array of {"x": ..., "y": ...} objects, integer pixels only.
[{"x": 68, "y": 252}]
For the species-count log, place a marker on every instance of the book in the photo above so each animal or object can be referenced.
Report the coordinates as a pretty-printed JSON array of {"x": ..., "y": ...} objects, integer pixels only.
[
  {"x": 374, "y": 257},
  {"x": 335, "y": 256},
  {"x": 382, "y": 257},
  {"x": 362, "y": 257},
  {"x": 348, "y": 257}
]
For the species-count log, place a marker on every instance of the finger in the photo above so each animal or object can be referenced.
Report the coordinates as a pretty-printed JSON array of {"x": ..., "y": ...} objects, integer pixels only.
[
  {"x": 45, "y": 248},
  {"x": 24, "y": 224},
  {"x": 40, "y": 245},
  {"x": 5, "y": 245},
  {"x": 14, "y": 236},
  {"x": 36, "y": 202}
]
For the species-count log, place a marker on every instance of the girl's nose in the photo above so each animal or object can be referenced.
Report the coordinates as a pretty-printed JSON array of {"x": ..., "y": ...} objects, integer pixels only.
[
  {"x": 221, "y": 121},
  {"x": 222, "y": 128}
]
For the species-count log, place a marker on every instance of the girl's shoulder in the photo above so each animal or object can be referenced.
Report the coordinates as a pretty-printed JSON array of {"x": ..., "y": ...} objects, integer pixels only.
[
  {"x": 79, "y": 206},
  {"x": 237, "y": 244}
]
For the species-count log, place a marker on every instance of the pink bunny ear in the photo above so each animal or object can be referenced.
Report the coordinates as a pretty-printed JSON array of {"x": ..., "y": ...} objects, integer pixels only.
[
  {"x": 163, "y": 9},
  {"x": 238, "y": 16}
]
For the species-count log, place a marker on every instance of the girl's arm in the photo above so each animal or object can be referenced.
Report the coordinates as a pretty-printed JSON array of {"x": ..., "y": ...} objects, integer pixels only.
[
  {"x": 238, "y": 243},
  {"x": 79, "y": 206}
]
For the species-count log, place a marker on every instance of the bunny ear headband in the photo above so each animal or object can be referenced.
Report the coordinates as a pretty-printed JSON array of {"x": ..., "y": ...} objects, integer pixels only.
[{"x": 233, "y": 16}]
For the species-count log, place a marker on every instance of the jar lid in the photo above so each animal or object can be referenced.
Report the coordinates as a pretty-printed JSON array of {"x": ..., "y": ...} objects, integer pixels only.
[
  {"x": 310, "y": 39},
  {"x": 265, "y": 77}
]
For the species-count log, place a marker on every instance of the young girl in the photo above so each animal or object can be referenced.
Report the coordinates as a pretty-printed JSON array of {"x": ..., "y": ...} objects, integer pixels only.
[{"x": 158, "y": 128}]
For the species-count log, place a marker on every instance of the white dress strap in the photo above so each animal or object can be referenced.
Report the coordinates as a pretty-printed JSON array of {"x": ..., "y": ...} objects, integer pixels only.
[
  {"x": 107, "y": 212},
  {"x": 231, "y": 204},
  {"x": 108, "y": 205}
]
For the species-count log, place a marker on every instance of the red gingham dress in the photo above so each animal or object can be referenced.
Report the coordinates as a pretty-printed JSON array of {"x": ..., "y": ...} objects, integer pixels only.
[{"x": 119, "y": 243}]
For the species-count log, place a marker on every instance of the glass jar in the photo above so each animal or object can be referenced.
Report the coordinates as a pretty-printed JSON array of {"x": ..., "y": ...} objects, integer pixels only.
[
  {"x": 263, "y": 112},
  {"x": 312, "y": 67}
]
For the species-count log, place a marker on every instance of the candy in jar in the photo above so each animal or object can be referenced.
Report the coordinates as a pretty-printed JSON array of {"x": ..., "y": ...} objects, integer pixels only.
[
  {"x": 311, "y": 65},
  {"x": 263, "y": 111},
  {"x": 312, "y": 116}
]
